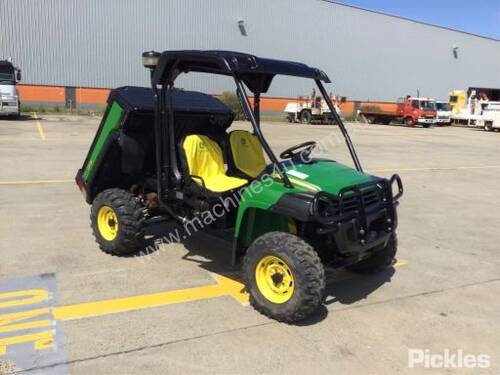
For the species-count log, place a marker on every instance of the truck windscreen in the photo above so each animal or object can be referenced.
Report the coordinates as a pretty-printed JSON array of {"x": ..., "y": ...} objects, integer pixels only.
[
  {"x": 7, "y": 73},
  {"x": 425, "y": 104},
  {"x": 442, "y": 106}
]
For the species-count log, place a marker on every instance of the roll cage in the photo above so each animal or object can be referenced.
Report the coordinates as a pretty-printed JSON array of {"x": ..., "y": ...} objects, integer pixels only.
[{"x": 247, "y": 70}]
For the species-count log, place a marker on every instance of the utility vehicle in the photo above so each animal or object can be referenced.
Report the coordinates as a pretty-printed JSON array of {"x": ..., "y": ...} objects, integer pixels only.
[
  {"x": 9, "y": 97},
  {"x": 168, "y": 153}
]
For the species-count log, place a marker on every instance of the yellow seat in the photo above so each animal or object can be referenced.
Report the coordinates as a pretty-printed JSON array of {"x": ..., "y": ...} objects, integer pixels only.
[
  {"x": 247, "y": 152},
  {"x": 206, "y": 164}
]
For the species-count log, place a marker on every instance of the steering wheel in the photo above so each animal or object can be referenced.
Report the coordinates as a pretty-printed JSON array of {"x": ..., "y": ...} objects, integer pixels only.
[{"x": 306, "y": 149}]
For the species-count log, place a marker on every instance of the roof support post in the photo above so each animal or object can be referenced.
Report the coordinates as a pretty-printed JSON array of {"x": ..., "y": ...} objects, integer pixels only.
[{"x": 339, "y": 122}]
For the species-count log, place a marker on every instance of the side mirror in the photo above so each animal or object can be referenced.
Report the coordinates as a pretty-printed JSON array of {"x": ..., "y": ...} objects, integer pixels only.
[{"x": 18, "y": 75}]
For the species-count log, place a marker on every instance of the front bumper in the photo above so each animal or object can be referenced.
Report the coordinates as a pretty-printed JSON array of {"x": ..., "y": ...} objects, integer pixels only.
[
  {"x": 9, "y": 106},
  {"x": 369, "y": 227},
  {"x": 442, "y": 120},
  {"x": 424, "y": 120}
]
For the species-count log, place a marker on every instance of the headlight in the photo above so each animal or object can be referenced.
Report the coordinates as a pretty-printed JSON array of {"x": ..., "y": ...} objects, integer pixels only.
[{"x": 325, "y": 208}]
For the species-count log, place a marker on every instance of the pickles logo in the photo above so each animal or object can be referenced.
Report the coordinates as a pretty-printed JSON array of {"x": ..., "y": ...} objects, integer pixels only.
[{"x": 447, "y": 359}]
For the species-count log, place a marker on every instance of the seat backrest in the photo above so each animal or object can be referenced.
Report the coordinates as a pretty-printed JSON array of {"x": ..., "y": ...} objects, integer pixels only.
[
  {"x": 203, "y": 156},
  {"x": 247, "y": 153}
]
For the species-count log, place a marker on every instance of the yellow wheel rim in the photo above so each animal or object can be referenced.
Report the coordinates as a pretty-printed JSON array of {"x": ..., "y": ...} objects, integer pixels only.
[
  {"x": 107, "y": 223},
  {"x": 274, "y": 279}
]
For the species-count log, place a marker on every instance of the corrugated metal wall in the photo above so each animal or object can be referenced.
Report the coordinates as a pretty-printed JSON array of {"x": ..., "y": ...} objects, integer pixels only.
[{"x": 368, "y": 55}]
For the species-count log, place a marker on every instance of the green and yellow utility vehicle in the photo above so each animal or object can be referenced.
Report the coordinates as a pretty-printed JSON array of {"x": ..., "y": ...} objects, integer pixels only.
[{"x": 166, "y": 153}]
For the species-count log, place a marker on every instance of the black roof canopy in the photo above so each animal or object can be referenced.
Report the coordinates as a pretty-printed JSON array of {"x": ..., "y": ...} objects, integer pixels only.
[
  {"x": 134, "y": 99},
  {"x": 256, "y": 72}
]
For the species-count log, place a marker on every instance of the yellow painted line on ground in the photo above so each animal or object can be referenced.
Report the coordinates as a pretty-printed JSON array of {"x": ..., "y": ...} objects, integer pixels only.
[
  {"x": 400, "y": 263},
  {"x": 225, "y": 286},
  {"x": 34, "y": 182},
  {"x": 433, "y": 168},
  {"x": 39, "y": 127}
]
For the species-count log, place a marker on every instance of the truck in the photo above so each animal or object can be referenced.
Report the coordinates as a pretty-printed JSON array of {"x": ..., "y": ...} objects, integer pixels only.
[
  {"x": 467, "y": 106},
  {"x": 409, "y": 110},
  {"x": 443, "y": 113},
  {"x": 310, "y": 109},
  {"x": 490, "y": 120},
  {"x": 9, "y": 96}
]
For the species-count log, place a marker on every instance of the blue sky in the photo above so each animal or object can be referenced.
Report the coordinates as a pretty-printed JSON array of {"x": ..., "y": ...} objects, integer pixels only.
[{"x": 480, "y": 17}]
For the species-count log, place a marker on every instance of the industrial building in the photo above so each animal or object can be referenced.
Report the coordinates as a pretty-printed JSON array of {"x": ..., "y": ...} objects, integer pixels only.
[{"x": 76, "y": 49}]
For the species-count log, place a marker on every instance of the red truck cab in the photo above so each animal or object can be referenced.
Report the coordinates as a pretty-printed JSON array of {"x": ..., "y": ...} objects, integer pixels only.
[{"x": 417, "y": 111}]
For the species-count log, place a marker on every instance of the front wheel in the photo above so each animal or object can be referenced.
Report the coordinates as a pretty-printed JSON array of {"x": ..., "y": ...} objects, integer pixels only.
[
  {"x": 378, "y": 261},
  {"x": 284, "y": 277},
  {"x": 409, "y": 122}
]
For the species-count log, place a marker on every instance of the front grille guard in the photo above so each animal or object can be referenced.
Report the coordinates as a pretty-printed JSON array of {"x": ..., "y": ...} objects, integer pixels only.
[{"x": 384, "y": 188}]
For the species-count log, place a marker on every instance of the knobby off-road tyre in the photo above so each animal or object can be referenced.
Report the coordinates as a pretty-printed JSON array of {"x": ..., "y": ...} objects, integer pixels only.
[
  {"x": 284, "y": 277},
  {"x": 379, "y": 261},
  {"x": 117, "y": 219}
]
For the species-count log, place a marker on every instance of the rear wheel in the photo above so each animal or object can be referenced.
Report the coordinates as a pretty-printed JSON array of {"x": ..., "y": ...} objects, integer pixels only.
[
  {"x": 117, "y": 221},
  {"x": 488, "y": 126},
  {"x": 306, "y": 117},
  {"x": 379, "y": 261},
  {"x": 284, "y": 277}
]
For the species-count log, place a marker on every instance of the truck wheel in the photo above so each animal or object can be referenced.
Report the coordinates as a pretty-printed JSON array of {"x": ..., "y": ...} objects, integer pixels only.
[
  {"x": 305, "y": 117},
  {"x": 409, "y": 122},
  {"x": 117, "y": 221},
  {"x": 371, "y": 119},
  {"x": 426, "y": 125},
  {"x": 379, "y": 261},
  {"x": 488, "y": 126},
  {"x": 284, "y": 277}
]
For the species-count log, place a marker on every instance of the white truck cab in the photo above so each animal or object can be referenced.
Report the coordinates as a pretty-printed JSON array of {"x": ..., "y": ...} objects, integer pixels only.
[
  {"x": 9, "y": 96},
  {"x": 443, "y": 113}
]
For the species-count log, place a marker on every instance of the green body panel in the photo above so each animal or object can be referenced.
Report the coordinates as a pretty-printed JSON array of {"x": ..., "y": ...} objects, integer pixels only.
[
  {"x": 111, "y": 123},
  {"x": 254, "y": 217}
]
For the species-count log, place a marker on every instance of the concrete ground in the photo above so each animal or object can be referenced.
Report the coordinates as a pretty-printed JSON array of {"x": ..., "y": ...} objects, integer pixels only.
[{"x": 443, "y": 295}]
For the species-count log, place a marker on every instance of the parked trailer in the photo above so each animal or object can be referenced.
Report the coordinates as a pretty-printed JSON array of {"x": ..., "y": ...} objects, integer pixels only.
[{"x": 408, "y": 110}]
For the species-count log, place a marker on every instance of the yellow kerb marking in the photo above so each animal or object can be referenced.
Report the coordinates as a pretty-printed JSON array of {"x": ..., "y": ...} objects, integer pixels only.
[
  {"x": 39, "y": 127},
  {"x": 6, "y": 320},
  {"x": 225, "y": 287},
  {"x": 23, "y": 297},
  {"x": 40, "y": 340}
]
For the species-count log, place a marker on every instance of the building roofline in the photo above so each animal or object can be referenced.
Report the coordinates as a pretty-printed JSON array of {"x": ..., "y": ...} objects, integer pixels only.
[{"x": 411, "y": 20}]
